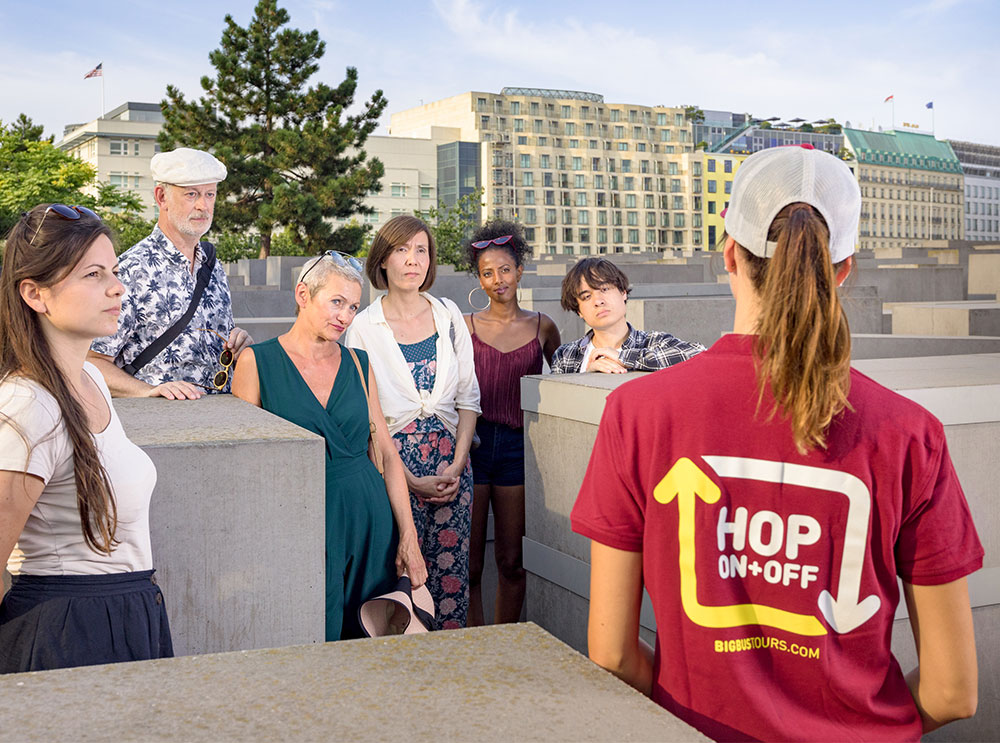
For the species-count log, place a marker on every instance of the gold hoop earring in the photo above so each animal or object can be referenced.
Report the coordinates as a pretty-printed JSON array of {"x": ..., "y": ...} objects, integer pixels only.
[{"x": 488, "y": 300}]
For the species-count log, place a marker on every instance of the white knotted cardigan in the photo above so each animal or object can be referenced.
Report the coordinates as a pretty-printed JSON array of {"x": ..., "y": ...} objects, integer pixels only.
[{"x": 455, "y": 384}]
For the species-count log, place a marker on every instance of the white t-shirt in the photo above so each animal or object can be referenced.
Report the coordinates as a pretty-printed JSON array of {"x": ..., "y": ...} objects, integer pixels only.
[{"x": 52, "y": 541}]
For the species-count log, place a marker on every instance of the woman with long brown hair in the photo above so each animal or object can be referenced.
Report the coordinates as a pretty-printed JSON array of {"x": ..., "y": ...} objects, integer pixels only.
[
  {"x": 768, "y": 497},
  {"x": 74, "y": 491}
]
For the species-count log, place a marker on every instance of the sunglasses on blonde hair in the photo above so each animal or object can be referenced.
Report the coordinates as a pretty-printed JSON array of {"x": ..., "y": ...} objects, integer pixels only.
[{"x": 341, "y": 259}]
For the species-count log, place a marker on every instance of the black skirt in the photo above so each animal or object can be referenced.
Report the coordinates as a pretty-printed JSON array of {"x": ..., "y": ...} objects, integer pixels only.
[{"x": 59, "y": 621}]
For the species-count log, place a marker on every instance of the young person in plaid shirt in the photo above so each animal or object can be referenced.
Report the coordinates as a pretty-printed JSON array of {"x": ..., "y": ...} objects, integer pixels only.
[{"x": 596, "y": 289}]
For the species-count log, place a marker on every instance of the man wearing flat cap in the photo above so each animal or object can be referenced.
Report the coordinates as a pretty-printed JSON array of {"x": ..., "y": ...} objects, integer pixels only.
[{"x": 169, "y": 276}]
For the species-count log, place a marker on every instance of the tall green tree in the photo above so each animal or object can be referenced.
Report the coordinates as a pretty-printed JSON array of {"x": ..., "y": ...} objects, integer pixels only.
[{"x": 295, "y": 159}]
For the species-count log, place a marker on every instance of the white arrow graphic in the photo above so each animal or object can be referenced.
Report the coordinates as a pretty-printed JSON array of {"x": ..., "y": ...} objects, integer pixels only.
[{"x": 845, "y": 612}]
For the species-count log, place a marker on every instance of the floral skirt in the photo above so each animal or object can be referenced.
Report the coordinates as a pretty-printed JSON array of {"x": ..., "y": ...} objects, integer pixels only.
[{"x": 427, "y": 448}]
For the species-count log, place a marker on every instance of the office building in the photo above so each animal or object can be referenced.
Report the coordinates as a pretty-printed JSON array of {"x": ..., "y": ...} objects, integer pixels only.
[
  {"x": 582, "y": 175},
  {"x": 120, "y": 145},
  {"x": 981, "y": 165}
]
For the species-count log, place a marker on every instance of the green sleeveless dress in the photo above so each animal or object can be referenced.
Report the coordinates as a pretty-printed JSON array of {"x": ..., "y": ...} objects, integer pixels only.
[{"x": 361, "y": 534}]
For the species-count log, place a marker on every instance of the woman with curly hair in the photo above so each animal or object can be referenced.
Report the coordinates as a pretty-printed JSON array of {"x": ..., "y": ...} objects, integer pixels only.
[{"x": 508, "y": 343}]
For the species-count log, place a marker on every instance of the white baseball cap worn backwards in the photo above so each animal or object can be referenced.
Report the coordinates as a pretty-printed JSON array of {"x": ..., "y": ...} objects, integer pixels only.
[{"x": 771, "y": 179}]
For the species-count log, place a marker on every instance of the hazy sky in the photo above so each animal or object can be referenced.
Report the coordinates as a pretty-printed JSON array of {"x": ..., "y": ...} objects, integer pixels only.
[{"x": 812, "y": 59}]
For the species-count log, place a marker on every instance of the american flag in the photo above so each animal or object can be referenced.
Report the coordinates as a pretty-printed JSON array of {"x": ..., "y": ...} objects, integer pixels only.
[{"x": 96, "y": 72}]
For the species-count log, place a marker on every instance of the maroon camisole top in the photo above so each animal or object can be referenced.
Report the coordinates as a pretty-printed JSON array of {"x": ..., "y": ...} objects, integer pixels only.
[{"x": 499, "y": 376}]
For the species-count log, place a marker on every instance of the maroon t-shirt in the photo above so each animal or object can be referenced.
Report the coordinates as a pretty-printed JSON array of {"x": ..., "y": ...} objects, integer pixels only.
[{"x": 773, "y": 574}]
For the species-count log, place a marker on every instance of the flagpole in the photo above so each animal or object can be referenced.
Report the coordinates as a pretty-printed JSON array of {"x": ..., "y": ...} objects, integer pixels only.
[
  {"x": 102, "y": 95},
  {"x": 893, "y": 112}
]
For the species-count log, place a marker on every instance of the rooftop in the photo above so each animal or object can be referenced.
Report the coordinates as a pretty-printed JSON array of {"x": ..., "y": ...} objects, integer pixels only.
[
  {"x": 903, "y": 149},
  {"x": 549, "y": 93}
]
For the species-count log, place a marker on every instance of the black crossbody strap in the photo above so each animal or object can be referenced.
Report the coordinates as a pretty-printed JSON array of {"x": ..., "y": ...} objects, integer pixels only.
[{"x": 168, "y": 336}]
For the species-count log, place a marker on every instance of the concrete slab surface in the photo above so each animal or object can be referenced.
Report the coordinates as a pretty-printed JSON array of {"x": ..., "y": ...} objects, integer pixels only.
[{"x": 503, "y": 683}]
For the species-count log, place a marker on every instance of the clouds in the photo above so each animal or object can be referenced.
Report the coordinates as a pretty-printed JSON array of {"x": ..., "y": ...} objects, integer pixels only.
[{"x": 823, "y": 60}]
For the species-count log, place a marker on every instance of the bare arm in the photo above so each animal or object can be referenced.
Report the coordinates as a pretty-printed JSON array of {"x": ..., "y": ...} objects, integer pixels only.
[
  {"x": 613, "y": 627},
  {"x": 408, "y": 556},
  {"x": 945, "y": 683},
  {"x": 123, "y": 384},
  {"x": 550, "y": 339},
  {"x": 19, "y": 492},
  {"x": 246, "y": 383}
]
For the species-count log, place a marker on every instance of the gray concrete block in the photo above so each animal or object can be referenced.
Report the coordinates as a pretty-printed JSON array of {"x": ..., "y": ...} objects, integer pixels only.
[
  {"x": 237, "y": 522},
  {"x": 279, "y": 270},
  {"x": 882, "y": 346},
  {"x": 262, "y": 301},
  {"x": 505, "y": 683},
  {"x": 265, "y": 328},
  {"x": 928, "y": 282},
  {"x": 946, "y": 318},
  {"x": 254, "y": 269}
]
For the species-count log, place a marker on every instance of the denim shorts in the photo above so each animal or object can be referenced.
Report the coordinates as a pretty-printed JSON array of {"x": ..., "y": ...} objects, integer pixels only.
[{"x": 499, "y": 458}]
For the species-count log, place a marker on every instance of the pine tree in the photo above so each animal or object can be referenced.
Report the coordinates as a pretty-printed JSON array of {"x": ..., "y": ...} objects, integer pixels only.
[{"x": 295, "y": 160}]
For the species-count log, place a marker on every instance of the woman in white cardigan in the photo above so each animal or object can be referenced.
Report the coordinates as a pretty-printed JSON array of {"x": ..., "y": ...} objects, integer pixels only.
[{"x": 421, "y": 353}]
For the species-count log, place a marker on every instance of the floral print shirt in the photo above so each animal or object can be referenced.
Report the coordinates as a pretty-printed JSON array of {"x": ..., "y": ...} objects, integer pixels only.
[{"x": 159, "y": 285}]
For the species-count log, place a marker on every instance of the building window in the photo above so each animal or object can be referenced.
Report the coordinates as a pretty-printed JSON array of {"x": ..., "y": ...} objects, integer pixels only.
[
  {"x": 633, "y": 237},
  {"x": 711, "y": 209},
  {"x": 713, "y": 186},
  {"x": 678, "y": 202},
  {"x": 529, "y": 197},
  {"x": 398, "y": 190},
  {"x": 529, "y": 216},
  {"x": 678, "y": 220},
  {"x": 727, "y": 166},
  {"x": 518, "y": 125},
  {"x": 527, "y": 178},
  {"x": 623, "y": 145},
  {"x": 729, "y": 186},
  {"x": 120, "y": 147},
  {"x": 373, "y": 218},
  {"x": 544, "y": 162},
  {"x": 583, "y": 217},
  {"x": 425, "y": 192},
  {"x": 711, "y": 165},
  {"x": 579, "y": 181},
  {"x": 619, "y": 132}
]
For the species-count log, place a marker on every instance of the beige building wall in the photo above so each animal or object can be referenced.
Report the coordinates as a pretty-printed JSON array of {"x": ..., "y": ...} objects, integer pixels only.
[
  {"x": 410, "y": 180},
  {"x": 905, "y": 207},
  {"x": 582, "y": 175},
  {"x": 120, "y": 146}
]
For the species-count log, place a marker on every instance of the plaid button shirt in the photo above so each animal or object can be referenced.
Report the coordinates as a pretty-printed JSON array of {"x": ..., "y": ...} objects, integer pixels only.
[{"x": 641, "y": 351}]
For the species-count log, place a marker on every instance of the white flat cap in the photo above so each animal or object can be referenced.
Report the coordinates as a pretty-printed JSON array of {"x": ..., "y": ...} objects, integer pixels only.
[{"x": 186, "y": 167}]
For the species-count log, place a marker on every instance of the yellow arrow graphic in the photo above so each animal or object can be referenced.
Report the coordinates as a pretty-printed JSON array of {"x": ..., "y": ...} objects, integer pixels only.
[{"x": 686, "y": 481}]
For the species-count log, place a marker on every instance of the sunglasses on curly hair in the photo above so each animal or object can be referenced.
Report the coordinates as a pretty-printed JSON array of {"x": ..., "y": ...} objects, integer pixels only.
[
  {"x": 480, "y": 244},
  {"x": 62, "y": 211},
  {"x": 341, "y": 259}
]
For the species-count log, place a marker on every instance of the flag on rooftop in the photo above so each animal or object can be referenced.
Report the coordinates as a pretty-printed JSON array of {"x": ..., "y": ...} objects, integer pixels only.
[
  {"x": 888, "y": 99},
  {"x": 930, "y": 104},
  {"x": 96, "y": 72}
]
